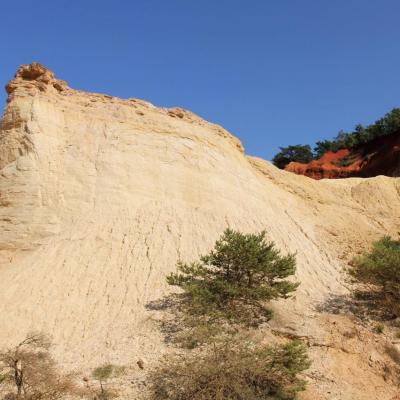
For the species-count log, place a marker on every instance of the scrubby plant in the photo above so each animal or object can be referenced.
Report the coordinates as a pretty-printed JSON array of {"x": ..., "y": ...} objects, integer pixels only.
[
  {"x": 233, "y": 370},
  {"x": 30, "y": 373},
  {"x": 102, "y": 375},
  {"x": 379, "y": 328},
  {"x": 235, "y": 280},
  {"x": 379, "y": 270}
]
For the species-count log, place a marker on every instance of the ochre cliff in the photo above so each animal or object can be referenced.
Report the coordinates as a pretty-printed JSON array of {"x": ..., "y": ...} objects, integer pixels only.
[
  {"x": 380, "y": 156},
  {"x": 100, "y": 197}
]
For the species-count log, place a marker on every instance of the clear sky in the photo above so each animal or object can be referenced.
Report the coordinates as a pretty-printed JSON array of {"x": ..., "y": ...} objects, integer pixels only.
[{"x": 273, "y": 72}]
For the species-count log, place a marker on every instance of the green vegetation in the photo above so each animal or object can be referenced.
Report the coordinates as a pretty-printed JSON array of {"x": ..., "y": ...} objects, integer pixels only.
[
  {"x": 379, "y": 271},
  {"x": 298, "y": 153},
  {"x": 388, "y": 124},
  {"x": 234, "y": 280},
  {"x": 239, "y": 371},
  {"x": 226, "y": 290},
  {"x": 103, "y": 374},
  {"x": 379, "y": 328}
]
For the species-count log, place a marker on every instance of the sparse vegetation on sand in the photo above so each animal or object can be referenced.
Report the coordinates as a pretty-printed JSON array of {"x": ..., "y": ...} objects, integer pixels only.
[
  {"x": 223, "y": 297},
  {"x": 378, "y": 270},
  {"x": 233, "y": 370},
  {"x": 103, "y": 374},
  {"x": 28, "y": 372}
]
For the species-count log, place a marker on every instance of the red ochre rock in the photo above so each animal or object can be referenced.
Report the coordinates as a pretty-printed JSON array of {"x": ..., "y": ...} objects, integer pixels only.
[{"x": 381, "y": 156}]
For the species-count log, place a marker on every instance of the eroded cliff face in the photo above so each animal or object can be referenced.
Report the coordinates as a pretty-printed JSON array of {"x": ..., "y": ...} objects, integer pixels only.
[
  {"x": 378, "y": 157},
  {"x": 100, "y": 197}
]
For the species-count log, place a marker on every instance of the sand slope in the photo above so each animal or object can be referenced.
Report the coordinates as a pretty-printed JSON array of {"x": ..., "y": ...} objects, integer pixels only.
[{"x": 99, "y": 197}]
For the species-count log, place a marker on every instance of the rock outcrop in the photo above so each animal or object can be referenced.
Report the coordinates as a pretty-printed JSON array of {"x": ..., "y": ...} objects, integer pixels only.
[
  {"x": 35, "y": 76},
  {"x": 381, "y": 156},
  {"x": 100, "y": 197}
]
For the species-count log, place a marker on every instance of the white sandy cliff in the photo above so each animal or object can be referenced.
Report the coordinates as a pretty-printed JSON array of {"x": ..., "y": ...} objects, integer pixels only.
[{"x": 99, "y": 198}]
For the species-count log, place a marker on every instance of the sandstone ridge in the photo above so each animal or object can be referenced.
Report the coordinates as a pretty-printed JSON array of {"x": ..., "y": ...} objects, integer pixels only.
[
  {"x": 35, "y": 75},
  {"x": 100, "y": 197}
]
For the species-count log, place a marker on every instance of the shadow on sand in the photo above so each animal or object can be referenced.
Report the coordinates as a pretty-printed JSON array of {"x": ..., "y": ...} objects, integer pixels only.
[{"x": 366, "y": 306}]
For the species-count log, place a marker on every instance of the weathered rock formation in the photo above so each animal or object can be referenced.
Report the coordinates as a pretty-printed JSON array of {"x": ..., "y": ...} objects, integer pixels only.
[
  {"x": 99, "y": 198},
  {"x": 378, "y": 157}
]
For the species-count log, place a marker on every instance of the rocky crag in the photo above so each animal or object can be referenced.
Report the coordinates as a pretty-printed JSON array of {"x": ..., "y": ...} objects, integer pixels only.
[
  {"x": 380, "y": 156},
  {"x": 100, "y": 197}
]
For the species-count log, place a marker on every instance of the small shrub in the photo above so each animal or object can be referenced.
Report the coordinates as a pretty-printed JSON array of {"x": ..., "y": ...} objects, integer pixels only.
[
  {"x": 379, "y": 328},
  {"x": 29, "y": 372},
  {"x": 103, "y": 374},
  {"x": 233, "y": 282},
  {"x": 237, "y": 371},
  {"x": 379, "y": 270}
]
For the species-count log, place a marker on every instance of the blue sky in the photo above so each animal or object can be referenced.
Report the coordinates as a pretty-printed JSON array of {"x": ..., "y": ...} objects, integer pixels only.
[{"x": 273, "y": 72}]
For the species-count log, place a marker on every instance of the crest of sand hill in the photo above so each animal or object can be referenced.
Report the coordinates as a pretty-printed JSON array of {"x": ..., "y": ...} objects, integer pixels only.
[{"x": 99, "y": 198}]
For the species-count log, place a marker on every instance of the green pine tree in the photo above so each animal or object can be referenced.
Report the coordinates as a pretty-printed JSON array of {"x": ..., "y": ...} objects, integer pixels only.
[{"x": 237, "y": 278}]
